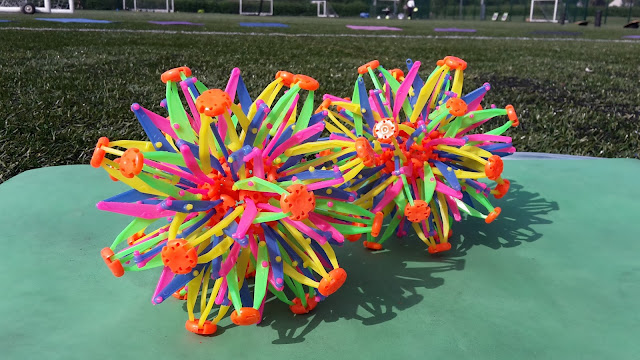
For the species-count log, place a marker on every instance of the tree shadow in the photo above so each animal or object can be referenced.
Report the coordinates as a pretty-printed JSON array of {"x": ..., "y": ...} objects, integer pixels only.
[{"x": 380, "y": 284}]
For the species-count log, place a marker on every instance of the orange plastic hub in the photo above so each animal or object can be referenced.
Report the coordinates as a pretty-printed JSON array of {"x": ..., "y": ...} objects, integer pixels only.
[
  {"x": 306, "y": 82},
  {"x": 298, "y": 201},
  {"x": 174, "y": 74},
  {"x": 298, "y": 309},
  {"x": 131, "y": 162},
  {"x": 513, "y": 117},
  {"x": 372, "y": 245},
  {"x": 208, "y": 327},
  {"x": 493, "y": 215},
  {"x": 179, "y": 296},
  {"x": 114, "y": 265},
  {"x": 397, "y": 74},
  {"x": 179, "y": 256},
  {"x": 377, "y": 224},
  {"x": 493, "y": 168},
  {"x": 135, "y": 237},
  {"x": 99, "y": 153},
  {"x": 329, "y": 285},
  {"x": 213, "y": 102},
  {"x": 386, "y": 130},
  {"x": 324, "y": 106},
  {"x": 247, "y": 316},
  {"x": 365, "y": 151},
  {"x": 453, "y": 63},
  {"x": 502, "y": 189},
  {"x": 287, "y": 77},
  {"x": 356, "y": 237},
  {"x": 417, "y": 212},
  {"x": 373, "y": 64},
  {"x": 439, "y": 248},
  {"x": 456, "y": 106}
]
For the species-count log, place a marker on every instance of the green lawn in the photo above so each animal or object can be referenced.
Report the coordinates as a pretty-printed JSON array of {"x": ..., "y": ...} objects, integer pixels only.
[{"x": 63, "y": 90}]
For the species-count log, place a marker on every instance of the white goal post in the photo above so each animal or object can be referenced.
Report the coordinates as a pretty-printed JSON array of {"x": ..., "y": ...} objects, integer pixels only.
[
  {"x": 541, "y": 6},
  {"x": 163, "y": 6},
  {"x": 58, "y": 7},
  {"x": 252, "y": 7},
  {"x": 324, "y": 10}
]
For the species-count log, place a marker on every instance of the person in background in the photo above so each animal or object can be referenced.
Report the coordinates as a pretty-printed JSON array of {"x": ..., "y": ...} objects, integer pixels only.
[{"x": 410, "y": 8}]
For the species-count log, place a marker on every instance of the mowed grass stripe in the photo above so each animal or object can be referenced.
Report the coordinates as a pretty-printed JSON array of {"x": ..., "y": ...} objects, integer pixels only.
[{"x": 380, "y": 36}]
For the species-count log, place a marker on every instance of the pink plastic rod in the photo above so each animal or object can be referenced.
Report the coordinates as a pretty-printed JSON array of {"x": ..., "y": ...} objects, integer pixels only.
[
  {"x": 322, "y": 224},
  {"x": 192, "y": 164},
  {"x": 486, "y": 137},
  {"x": 195, "y": 120},
  {"x": 453, "y": 207},
  {"x": 144, "y": 211},
  {"x": 249, "y": 214},
  {"x": 403, "y": 90},
  {"x": 165, "y": 278},
  {"x": 297, "y": 138},
  {"x": 171, "y": 170},
  {"x": 442, "y": 188},
  {"x": 389, "y": 195},
  {"x": 161, "y": 123},
  {"x": 446, "y": 141},
  {"x": 274, "y": 140}
]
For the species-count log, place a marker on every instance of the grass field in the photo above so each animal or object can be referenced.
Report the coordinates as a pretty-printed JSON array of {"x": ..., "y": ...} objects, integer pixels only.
[{"x": 65, "y": 85}]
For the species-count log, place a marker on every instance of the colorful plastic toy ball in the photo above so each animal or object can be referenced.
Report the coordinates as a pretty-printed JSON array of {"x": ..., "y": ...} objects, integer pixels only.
[
  {"x": 224, "y": 203},
  {"x": 416, "y": 151}
]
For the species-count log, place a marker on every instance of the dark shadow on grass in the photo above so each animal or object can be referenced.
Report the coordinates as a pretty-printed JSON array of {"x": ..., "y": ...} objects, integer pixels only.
[{"x": 381, "y": 284}]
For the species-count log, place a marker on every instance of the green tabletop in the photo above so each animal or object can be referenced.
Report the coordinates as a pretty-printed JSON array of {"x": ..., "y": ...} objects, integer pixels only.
[{"x": 557, "y": 276}]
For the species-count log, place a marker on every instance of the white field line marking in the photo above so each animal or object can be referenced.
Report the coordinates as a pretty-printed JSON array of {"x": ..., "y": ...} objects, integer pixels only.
[{"x": 382, "y": 36}]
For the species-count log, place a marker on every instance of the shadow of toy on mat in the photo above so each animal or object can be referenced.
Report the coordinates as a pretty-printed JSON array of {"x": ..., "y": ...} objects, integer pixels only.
[{"x": 381, "y": 284}]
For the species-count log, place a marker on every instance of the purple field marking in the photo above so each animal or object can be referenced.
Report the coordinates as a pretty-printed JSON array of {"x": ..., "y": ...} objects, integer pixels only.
[
  {"x": 454, "y": 30},
  {"x": 631, "y": 37},
  {"x": 175, "y": 23},
  {"x": 373, "y": 28},
  {"x": 260, "y": 24},
  {"x": 75, "y": 20}
]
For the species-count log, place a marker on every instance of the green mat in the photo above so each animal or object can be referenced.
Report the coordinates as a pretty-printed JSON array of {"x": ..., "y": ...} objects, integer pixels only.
[{"x": 557, "y": 276}]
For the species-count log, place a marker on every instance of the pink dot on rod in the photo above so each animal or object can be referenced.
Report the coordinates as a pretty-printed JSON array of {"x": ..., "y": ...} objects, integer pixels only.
[
  {"x": 294, "y": 178},
  {"x": 265, "y": 264},
  {"x": 279, "y": 281},
  {"x": 432, "y": 179},
  {"x": 176, "y": 126},
  {"x": 471, "y": 116},
  {"x": 158, "y": 299},
  {"x": 269, "y": 126},
  {"x": 181, "y": 192},
  {"x": 250, "y": 183},
  {"x": 330, "y": 203}
]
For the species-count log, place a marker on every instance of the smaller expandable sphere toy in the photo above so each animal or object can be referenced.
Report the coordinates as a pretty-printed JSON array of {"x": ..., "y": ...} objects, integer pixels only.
[
  {"x": 220, "y": 174},
  {"x": 408, "y": 150}
]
